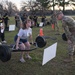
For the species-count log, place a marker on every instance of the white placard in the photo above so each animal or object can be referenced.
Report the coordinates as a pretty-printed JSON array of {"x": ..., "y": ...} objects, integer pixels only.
[
  {"x": 49, "y": 53},
  {"x": 11, "y": 27},
  {"x": 41, "y": 24}
]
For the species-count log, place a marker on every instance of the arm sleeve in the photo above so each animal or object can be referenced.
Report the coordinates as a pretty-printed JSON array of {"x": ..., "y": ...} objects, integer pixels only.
[
  {"x": 66, "y": 29},
  {"x": 70, "y": 22},
  {"x": 30, "y": 31},
  {"x": 20, "y": 33}
]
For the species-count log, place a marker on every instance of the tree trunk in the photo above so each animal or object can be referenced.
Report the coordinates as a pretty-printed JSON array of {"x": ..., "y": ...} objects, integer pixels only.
[
  {"x": 63, "y": 6},
  {"x": 53, "y": 5}
]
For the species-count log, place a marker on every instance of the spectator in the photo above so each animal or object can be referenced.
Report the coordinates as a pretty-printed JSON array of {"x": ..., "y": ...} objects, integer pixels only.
[
  {"x": 2, "y": 35},
  {"x": 5, "y": 20},
  {"x": 35, "y": 20},
  {"x": 24, "y": 17},
  {"x": 18, "y": 21}
]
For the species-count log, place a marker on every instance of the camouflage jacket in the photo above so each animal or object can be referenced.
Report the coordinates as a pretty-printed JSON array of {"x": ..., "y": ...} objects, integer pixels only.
[
  {"x": 53, "y": 19},
  {"x": 68, "y": 23}
]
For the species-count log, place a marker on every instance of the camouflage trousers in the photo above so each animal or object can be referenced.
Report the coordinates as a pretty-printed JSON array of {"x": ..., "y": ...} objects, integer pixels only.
[
  {"x": 56, "y": 26},
  {"x": 71, "y": 46}
]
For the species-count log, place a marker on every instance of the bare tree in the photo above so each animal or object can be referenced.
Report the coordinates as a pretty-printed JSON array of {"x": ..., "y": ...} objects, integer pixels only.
[
  {"x": 1, "y": 9},
  {"x": 44, "y": 5},
  {"x": 64, "y": 3},
  {"x": 72, "y": 4},
  {"x": 11, "y": 7},
  {"x": 30, "y": 6},
  {"x": 8, "y": 6},
  {"x": 23, "y": 6}
]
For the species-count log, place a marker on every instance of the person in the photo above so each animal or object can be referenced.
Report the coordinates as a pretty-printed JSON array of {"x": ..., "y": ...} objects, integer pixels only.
[
  {"x": 22, "y": 41},
  {"x": 55, "y": 22},
  {"x": 5, "y": 18},
  {"x": 24, "y": 17},
  {"x": 68, "y": 24},
  {"x": 2, "y": 35},
  {"x": 35, "y": 20},
  {"x": 18, "y": 21},
  {"x": 43, "y": 19},
  {"x": 32, "y": 21}
]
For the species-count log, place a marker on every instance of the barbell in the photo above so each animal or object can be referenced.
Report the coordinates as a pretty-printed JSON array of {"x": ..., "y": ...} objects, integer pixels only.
[{"x": 5, "y": 50}]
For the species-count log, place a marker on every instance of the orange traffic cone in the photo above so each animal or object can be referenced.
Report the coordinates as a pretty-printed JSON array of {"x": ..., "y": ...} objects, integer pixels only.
[
  {"x": 41, "y": 32},
  {"x": 53, "y": 27}
]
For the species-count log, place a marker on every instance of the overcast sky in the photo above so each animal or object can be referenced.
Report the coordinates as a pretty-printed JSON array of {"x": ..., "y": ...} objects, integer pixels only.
[{"x": 18, "y": 2}]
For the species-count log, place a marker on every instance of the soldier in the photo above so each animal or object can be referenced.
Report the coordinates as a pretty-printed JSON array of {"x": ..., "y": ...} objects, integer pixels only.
[
  {"x": 18, "y": 21},
  {"x": 68, "y": 24},
  {"x": 24, "y": 17},
  {"x": 54, "y": 21},
  {"x": 35, "y": 20}
]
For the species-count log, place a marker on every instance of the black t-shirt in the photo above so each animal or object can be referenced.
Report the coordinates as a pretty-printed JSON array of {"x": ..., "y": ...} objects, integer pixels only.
[{"x": 5, "y": 18}]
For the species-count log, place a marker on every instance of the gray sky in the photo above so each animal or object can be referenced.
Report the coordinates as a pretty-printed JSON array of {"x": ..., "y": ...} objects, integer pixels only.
[{"x": 18, "y": 2}]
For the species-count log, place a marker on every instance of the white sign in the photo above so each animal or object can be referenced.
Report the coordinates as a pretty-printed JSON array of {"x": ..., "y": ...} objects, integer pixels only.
[
  {"x": 49, "y": 53},
  {"x": 41, "y": 24},
  {"x": 11, "y": 27}
]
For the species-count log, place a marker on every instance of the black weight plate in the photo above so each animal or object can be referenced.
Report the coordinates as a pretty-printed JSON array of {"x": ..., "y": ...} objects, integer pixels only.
[
  {"x": 5, "y": 53},
  {"x": 64, "y": 37},
  {"x": 9, "y": 53},
  {"x": 40, "y": 41}
]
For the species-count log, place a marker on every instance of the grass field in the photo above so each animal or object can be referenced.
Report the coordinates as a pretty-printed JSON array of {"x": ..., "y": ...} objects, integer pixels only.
[{"x": 34, "y": 67}]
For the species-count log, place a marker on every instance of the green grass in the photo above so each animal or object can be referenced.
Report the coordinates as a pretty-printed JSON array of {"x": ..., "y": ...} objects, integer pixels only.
[{"x": 34, "y": 67}]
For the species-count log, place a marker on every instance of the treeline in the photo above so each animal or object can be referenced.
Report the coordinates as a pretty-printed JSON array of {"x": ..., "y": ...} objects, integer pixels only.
[
  {"x": 38, "y": 7},
  {"x": 48, "y": 12}
]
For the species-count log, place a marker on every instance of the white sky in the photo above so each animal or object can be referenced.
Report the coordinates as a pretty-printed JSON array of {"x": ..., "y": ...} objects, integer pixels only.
[{"x": 18, "y": 2}]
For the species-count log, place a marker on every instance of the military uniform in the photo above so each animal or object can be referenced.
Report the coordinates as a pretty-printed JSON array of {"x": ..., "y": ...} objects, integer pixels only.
[
  {"x": 68, "y": 24},
  {"x": 18, "y": 21},
  {"x": 54, "y": 21}
]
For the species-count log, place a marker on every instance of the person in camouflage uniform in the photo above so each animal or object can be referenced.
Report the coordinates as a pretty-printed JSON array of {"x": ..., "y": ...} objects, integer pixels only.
[
  {"x": 54, "y": 21},
  {"x": 68, "y": 24},
  {"x": 18, "y": 21}
]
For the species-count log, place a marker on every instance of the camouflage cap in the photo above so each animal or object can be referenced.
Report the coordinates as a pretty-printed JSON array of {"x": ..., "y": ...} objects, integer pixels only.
[{"x": 59, "y": 12}]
